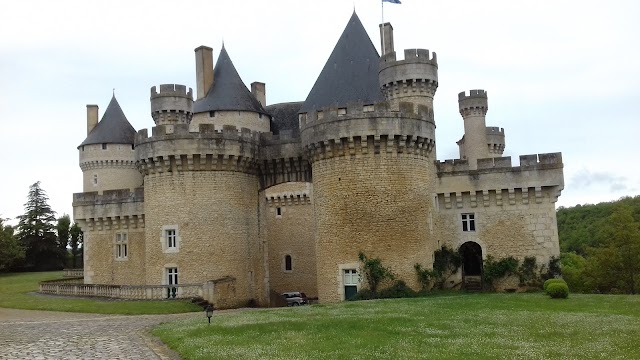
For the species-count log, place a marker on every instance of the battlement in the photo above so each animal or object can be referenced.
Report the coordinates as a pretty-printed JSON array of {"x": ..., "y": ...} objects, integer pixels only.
[
  {"x": 474, "y": 104},
  {"x": 283, "y": 137},
  {"x": 288, "y": 199},
  {"x": 500, "y": 164},
  {"x": 333, "y": 113},
  {"x": 494, "y": 130},
  {"x": 415, "y": 75},
  {"x": 204, "y": 131},
  {"x": 174, "y": 90},
  {"x": 422, "y": 56}
]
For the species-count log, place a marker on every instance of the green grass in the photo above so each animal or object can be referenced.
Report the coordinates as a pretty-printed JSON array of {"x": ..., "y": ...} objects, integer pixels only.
[
  {"x": 16, "y": 291},
  {"x": 462, "y": 326}
]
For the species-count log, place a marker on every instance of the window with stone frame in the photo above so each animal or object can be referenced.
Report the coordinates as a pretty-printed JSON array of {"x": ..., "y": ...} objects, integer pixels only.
[
  {"x": 288, "y": 263},
  {"x": 171, "y": 238},
  {"x": 122, "y": 246},
  {"x": 468, "y": 222}
]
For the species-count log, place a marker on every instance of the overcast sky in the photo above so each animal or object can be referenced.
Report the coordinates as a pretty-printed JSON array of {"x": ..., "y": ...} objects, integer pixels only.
[{"x": 561, "y": 75}]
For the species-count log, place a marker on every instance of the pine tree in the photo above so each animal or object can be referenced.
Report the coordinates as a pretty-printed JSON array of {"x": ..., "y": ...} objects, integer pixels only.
[{"x": 36, "y": 232}]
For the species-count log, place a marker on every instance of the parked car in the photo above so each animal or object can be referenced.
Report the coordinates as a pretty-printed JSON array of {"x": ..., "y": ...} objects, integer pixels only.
[{"x": 295, "y": 298}]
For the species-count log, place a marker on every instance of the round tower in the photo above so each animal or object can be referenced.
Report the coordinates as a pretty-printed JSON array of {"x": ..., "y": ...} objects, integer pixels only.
[
  {"x": 173, "y": 104},
  {"x": 107, "y": 156},
  {"x": 413, "y": 80},
  {"x": 373, "y": 172},
  {"x": 201, "y": 194},
  {"x": 473, "y": 108}
]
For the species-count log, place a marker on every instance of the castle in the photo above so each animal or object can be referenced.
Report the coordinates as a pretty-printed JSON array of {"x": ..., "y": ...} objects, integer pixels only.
[{"x": 270, "y": 198}]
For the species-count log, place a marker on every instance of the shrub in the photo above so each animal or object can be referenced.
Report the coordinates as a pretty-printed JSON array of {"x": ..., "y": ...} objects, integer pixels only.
[
  {"x": 497, "y": 269},
  {"x": 399, "y": 289},
  {"x": 528, "y": 272},
  {"x": 425, "y": 276},
  {"x": 374, "y": 272},
  {"x": 558, "y": 290},
  {"x": 552, "y": 281}
]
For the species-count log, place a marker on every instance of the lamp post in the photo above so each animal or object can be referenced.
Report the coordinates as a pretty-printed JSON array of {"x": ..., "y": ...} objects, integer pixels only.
[{"x": 209, "y": 312}]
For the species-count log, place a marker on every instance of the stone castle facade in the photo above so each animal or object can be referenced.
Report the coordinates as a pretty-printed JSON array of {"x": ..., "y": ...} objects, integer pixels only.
[{"x": 263, "y": 199}]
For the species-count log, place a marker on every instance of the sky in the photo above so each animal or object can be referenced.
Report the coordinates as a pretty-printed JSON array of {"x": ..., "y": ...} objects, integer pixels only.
[{"x": 561, "y": 75}]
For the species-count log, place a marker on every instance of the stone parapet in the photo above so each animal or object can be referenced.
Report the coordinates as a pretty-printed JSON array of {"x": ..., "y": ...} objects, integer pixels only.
[
  {"x": 535, "y": 173},
  {"x": 282, "y": 160},
  {"x": 417, "y": 74},
  {"x": 111, "y": 210},
  {"x": 173, "y": 104},
  {"x": 495, "y": 140},
  {"x": 173, "y": 148},
  {"x": 476, "y": 103}
]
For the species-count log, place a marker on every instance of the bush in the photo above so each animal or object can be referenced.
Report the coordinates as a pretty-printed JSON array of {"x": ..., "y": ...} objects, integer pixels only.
[
  {"x": 553, "y": 281},
  {"x": 497, "y": 269},
  {"x": 558, "y": 290},
  {"x": 399, "y": 289},
  {"x": 374, "y": 272}
]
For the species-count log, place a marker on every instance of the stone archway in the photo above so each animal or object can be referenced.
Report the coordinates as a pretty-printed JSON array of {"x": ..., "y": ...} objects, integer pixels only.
[{"x": 471, "y": 254}]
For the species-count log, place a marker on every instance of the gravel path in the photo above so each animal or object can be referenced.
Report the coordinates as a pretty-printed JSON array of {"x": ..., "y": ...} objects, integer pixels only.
[{"x": 27, "y": 334}]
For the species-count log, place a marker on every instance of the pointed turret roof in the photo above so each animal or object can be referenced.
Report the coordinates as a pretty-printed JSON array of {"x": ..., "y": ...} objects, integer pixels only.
[
  {"x": 113, "y": 128},
  {"x": 351, "y": 73},
  {"x": 228, "y": 92}
]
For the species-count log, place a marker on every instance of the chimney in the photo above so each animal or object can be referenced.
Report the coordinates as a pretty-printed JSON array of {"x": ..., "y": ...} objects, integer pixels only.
[
  {"x": 92, "y": 117},
  {"x": 386, "y": 38},
  {"x": 258, "y": 90},
  {"x": 204, "y": 70}
]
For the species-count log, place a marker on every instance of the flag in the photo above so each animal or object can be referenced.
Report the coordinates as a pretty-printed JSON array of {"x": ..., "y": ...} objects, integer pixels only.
[{"x": 392, "y": 1}]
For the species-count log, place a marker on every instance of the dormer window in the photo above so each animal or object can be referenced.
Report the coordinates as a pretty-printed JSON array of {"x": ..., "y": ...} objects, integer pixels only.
[
  {"x": 342, "y": 111},
  {"x": 212, "y": 113},
  {"x": 104, "y": 146},
  {"x": 320, "y": 115},
  {"x": 368, "y": 108}
]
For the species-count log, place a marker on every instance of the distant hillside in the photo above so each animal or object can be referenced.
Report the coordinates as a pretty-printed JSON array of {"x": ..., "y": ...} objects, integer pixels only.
[{"x": 579, "y": 226}]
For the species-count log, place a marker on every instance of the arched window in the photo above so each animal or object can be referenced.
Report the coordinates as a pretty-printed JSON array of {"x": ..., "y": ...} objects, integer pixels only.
[{"x": 287, "y": 263}]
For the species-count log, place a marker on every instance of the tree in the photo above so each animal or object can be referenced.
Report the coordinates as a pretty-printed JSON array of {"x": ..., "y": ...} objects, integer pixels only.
[
  {"x": 10, "y": 250},
  {"x": 36, "y": 232},
  {"x": 76, "y": 242},
  {"x": 62, "y": 229},
  {"x": 615, "y": 266}
]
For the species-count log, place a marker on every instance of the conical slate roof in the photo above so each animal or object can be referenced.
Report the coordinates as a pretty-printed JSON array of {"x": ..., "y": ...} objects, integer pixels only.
[
  {"x": 228, "y": 91},
  {"x": 113, "y": 128},
  {"x": 351, "y": 73}
]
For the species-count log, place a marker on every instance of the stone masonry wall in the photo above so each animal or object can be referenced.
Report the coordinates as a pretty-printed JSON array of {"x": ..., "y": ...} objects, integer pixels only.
[
  {"x": 215, "y": 215},
  {"x": 378, "y": 204},
  {"x": 291, "y": 233},
  {"x": 101, "y": 264},
  {"x": 114, "y": 166},
  {"x": 503, "y": 228}
]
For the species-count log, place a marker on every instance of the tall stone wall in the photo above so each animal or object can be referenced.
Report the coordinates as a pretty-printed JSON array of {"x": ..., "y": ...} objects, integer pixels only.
[
  {"x": 215, "y": 214},
  {"x": 102, "y": 266},
  {"x": 239, "y": 119},
  {"x": 380, "y": 205},
  {"x": 289, "y": 228}
]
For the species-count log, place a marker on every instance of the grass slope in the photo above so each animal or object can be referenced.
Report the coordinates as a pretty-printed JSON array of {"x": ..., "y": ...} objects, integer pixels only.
[
  {"x": 16, "y": 292},
  {"x": 477, "y": 326}
]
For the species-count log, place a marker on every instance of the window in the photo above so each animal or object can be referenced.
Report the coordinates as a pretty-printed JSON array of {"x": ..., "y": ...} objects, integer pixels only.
[
  {"x": 171, "y": 238},
  {"x": 172, "y": 279},
  {"x": 288, "y": 266},
  {"x": 368, "y": 108},
  {"x": 104, "y": 146},
  {"x": 122, "y": 246},
  {"x": 350, "y": 283},
  {"x": 342, "y": 111},
  {"x": 468, "y": 222},
  {"x": 212, "y": 113},
  {"x": 95, "y": 179},
  {"x": 279, "y": 211}
]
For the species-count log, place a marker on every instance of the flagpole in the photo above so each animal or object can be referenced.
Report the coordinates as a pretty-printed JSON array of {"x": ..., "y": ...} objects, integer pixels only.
[{"x": 382, "y": 1}]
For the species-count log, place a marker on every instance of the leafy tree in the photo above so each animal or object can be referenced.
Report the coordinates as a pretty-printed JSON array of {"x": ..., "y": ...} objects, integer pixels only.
[
  {"x": 374, "y": 272},
  {"x": 63, "y": 231},
  {"x": 10, "y": 250},
  {"x": 76, "y": 243},
  {"x": 36, "y": 232},
  {"x": 616, "y": 265}
]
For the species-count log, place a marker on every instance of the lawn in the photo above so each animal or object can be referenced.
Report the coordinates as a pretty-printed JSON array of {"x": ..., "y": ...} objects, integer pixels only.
[
  {"x": 460, "y": 326},
  {"x": 17, "y": 291}
]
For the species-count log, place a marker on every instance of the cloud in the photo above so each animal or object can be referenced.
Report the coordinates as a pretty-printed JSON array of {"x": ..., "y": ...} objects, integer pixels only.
[{"x": 585, "y": 178}]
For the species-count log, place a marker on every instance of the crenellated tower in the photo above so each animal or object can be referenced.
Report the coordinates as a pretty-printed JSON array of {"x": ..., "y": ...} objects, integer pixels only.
[
  {"x": 201, "y": 187},
  {"x": 473, "y": 108},
  {"x": 173, "y": 104},
  {"x": 372, "y": 162}
]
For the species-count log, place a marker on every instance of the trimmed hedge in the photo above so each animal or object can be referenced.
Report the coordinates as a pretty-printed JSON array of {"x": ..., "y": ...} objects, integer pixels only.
[
  {"x": 553, "y": 281},
  {"x": 558, "y": 290}
]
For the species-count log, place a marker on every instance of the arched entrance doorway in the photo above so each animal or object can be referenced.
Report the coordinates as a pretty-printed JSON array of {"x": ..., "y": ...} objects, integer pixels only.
[{"x": 471, "y": 254}]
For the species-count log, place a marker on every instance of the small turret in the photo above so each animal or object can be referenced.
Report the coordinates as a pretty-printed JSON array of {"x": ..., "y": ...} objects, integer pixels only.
[
  {"x": 473, "y": 108},
  {"x": 172, "y": 105},
  {"x": 412, "y": 80}
]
